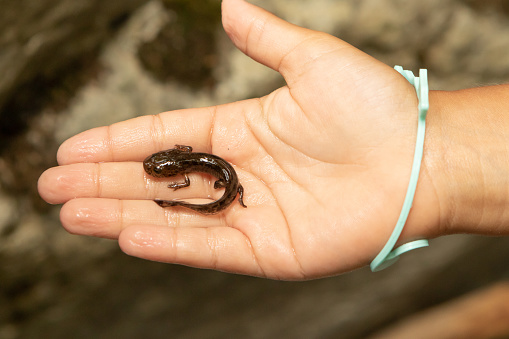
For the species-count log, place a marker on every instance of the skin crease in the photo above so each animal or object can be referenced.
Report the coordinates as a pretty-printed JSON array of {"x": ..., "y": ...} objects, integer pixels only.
[{"x": 324, "y": 161}]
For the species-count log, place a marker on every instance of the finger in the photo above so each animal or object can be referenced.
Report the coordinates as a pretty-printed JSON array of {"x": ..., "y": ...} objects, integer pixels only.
[
  {"x": 284, "y": 47},
  {"x": 134, "y": 139},
  {"x": 106, "y": 218},
  {"x": 125, "y": 180},
  {"x": 220, "y": 248}
]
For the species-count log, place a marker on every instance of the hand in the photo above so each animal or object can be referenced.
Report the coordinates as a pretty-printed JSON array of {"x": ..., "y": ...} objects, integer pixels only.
[{"x": 324, "y": 161}]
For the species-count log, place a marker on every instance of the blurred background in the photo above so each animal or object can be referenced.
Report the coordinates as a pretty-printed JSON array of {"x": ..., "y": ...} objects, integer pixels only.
[{"x": 70, "y": 65}]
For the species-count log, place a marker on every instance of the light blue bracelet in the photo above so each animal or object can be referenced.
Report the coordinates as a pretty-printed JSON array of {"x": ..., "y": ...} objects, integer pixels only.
[{"x": 388, "y": 256}]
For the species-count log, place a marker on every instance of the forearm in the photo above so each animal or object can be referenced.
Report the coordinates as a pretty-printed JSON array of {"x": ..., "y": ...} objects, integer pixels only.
[{"x": 467, "y": 159}]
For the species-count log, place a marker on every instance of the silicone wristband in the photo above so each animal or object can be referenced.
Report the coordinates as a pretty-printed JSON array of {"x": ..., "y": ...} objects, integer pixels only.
[{"x": 388, "y": 256}]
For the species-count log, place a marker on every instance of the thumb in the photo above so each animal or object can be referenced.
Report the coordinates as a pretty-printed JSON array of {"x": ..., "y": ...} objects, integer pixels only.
[{"x": 289, "y": 49}]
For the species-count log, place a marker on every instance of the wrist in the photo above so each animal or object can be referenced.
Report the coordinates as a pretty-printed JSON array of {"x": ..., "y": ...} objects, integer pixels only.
[{"x": 466, "y": 160}]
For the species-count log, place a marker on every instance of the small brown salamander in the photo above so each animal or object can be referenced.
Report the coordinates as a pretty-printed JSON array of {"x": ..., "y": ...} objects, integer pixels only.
[{"x": 181, "y": 160}]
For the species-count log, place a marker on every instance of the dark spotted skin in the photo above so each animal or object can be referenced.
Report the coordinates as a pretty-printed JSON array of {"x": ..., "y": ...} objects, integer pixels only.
[{"x": 182, "y": 160}]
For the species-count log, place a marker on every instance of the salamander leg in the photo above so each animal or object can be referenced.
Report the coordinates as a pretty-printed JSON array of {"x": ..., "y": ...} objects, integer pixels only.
[
  {"x": 219, "y": 184},
  {"x": 240, "y": 190},
  {"x": 179, "y": 185},
  {"x": 183, "y": 148}
]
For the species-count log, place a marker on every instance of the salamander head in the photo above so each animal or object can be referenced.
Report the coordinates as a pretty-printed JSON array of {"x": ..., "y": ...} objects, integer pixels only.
[{"x": 163, "y": 164}]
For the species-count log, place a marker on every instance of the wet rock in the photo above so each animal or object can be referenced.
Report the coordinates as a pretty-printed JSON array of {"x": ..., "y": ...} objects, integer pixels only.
[
  {"x": 40, "y": 41},
  {"x": 7, "y": 212},
  {"x": 185, "y": 50}
]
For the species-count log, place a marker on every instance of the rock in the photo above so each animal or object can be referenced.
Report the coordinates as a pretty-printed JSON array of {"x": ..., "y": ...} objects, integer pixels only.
[
  {"x": 41, "y": 39},
  {"x": 7, "y": 212}
]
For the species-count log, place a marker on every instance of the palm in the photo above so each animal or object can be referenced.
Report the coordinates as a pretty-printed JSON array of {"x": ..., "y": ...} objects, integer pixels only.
[
  {"x": 316, "y": 159},
  {"x": 323, "y": 190}
]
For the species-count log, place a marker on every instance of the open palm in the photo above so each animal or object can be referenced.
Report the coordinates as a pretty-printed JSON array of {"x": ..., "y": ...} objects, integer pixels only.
[{"x": 324, "y": 162}]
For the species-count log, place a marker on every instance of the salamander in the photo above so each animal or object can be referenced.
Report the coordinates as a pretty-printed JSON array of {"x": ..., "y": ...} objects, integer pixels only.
[{"x": 182, "y": 160}]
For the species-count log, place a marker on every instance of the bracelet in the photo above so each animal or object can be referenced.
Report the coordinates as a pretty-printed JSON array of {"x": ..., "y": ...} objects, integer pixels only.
[{"x": 387, "y": 255}]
